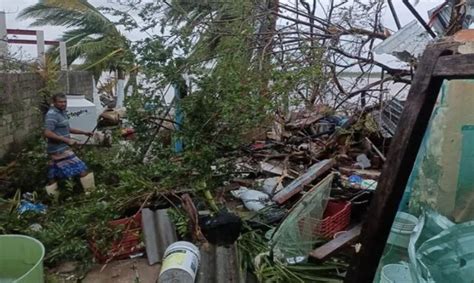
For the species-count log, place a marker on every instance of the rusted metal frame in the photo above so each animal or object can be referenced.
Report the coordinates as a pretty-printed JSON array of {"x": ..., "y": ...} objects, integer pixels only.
[
  {"x": 32, "y": 41},
  {"x": 21, "y": 31},
  {"x": 405, "y": 146}
]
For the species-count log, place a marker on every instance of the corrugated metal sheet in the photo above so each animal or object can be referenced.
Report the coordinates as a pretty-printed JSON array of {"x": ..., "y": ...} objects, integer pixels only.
[
  {"x": 442, "y": 18},
  {"x": 408, "y": 42},
  {"x": 470, "y": 13},
  {"x": 219, "y": 264},
  {"x": 389, "y": 117},
  {"x": 158, "y": 233}
]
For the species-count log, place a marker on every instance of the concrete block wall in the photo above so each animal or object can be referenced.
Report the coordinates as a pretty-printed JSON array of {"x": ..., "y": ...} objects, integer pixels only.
[
  {"x": 19, "y": 101},
  {"x": 80, "y": 82},
  {"x": 19, "y": 114}
]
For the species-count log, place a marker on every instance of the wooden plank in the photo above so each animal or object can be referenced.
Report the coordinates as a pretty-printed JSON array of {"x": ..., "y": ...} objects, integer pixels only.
[
  {"x": 335, "y": 245},
  {"x": 397, "y": 169},
  {"x": 367, "y": 174},
  {"x": 455, "y": 66},
  {"x": 271, "y": 168},
  {"x": 298, "y": 184}
]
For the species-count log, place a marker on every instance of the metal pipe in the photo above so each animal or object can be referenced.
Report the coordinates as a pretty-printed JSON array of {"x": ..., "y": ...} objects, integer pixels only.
[
  {"x": 31, "y": 41},
  {"x": 419, "y": 18},
  {"x": 21, "y": 31},
  {"x": 394, "y": 14}
]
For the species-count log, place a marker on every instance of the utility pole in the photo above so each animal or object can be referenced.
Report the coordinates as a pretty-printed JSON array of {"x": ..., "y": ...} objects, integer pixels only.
[
  {"x": 3, "y": 35},
  {"x": 40, "y": 47}
]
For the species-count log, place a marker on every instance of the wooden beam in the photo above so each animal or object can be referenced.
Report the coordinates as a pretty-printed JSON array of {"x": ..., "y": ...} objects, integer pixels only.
[
  {"x": 297, "y": 185},
  {"x": 397, "y": 169},
  {"x": 336, "y": 244},
  {"x": 364, "y": 173},
  {"x": 455, "y": 66}
]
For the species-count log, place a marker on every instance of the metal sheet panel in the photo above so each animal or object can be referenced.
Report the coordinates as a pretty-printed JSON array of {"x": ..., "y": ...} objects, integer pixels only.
[
  {"x": 219, "y": 264},
  {"x": 408, "y": 42},
  {"x": 158, "y": 233}
]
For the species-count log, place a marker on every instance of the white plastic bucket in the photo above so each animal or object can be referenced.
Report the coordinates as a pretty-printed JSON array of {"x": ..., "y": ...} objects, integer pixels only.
[
  {"x": 401, "y": 230},
  {"x": 180, "y": 263},
  {"x": 395, "y": 273}
]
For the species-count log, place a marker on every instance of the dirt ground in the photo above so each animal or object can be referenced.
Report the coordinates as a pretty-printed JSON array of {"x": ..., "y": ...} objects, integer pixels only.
[{"x": 122, "y": 271}]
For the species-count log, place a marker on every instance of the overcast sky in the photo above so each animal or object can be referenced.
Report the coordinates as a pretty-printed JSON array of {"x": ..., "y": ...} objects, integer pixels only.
[{"x": 12, "y": 8}]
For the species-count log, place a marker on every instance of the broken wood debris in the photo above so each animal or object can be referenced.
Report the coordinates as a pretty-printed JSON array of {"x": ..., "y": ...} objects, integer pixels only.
[
  {"x": 297, "y": 185},
  {"x": 337, "y": 243}
]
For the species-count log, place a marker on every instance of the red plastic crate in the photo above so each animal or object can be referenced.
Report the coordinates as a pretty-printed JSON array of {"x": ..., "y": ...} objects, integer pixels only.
[
  {"x": 128, "y": 244},
  {"x": 336, "y": 218}
]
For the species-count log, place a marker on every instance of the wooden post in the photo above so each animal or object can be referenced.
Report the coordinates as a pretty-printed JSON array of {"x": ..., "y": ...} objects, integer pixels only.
[{"x": 396, "y": 171}]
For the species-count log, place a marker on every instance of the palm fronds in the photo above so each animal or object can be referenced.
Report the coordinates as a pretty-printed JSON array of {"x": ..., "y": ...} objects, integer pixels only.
[{"x": 90, "y": 36}]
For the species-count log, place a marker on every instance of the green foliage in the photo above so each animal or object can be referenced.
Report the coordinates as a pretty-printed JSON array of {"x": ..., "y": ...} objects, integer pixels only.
[
  {"x": 90, "y": 35},
  {"x": 250, "y": 245},
  {"x": 32, "y": 165},
  {"x": 49, "y": 73},
  {"x": 180, "y": 221},
  {"x": 77, "y": 218},
  {"x": 254, "y": 255},
  {"x": 222, "y": 106}
]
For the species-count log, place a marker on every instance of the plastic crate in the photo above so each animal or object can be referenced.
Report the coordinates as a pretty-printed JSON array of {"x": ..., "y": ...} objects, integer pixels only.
[
  {"x": 336, "y": 218},
  {"x": 130, "y": 242}
]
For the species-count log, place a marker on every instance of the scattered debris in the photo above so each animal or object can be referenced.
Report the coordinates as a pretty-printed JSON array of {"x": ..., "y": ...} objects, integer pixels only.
[
  {"x": 297, "y": 185},
  {"x": 219, "y": 264},
  {"x": 336, "y": 244},
  {"x": 222, "y": 228},
  {"x": 180, "y": 263},
  {"x": 128, "y": 243},
  {"x": 252, "y": 199},
  {"x": 26, "y": 206},
  {"x": 366, "y": 174},
  {"x": 271, "y": 186},
  {"x": 376, "y": 149},
  {"x": 270, "y": 168},
  {"x": 363, "y": 161}
]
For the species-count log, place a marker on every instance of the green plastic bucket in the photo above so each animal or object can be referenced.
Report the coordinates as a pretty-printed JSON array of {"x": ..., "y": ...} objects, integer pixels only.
[{"x": 21, "y": 259}]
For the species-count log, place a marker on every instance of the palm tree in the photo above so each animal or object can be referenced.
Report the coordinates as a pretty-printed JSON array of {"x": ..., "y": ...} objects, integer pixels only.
[{"x": 89, "y": 36}]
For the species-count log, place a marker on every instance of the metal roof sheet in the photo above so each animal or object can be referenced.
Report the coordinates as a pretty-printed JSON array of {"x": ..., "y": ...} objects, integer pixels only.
[{"x": 408, "y": 42}]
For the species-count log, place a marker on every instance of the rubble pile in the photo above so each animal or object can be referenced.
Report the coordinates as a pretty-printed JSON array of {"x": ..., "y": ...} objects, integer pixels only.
[{"x": 310, "y": 180}]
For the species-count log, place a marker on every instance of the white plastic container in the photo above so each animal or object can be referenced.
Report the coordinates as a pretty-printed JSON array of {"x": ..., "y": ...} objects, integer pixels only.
[
  {"x": 180, "y": 263},
  {"x": 401, "y": 230},
  {"x": 82, "y": 115},
  {"x": 395, "y": 273}
]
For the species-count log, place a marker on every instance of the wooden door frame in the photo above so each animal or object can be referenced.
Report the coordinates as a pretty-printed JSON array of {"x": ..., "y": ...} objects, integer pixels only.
[{"x": 440, "y": 61}]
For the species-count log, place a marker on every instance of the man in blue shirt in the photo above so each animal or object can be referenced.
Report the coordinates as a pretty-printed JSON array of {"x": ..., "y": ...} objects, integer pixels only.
[{"x": 64, "y": 163}]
